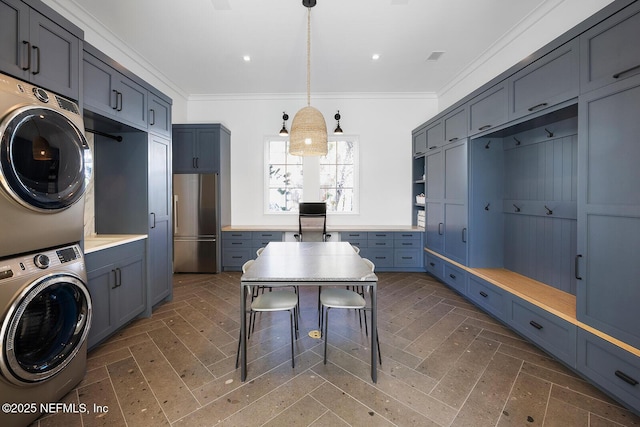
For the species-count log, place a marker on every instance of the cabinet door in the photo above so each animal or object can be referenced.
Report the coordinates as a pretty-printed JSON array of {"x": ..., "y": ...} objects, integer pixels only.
[
  {"x": 131, "y": 102},
  {"x": 609, "y": 210},
  {"x": 455, "y": 172},
  {"x": 97, "y": 90},
  {"x": 14, "y": 34},
  {"x": 183, "y": 143},
  {"x": 455, "y": 232},
  {"x": 435, "y": 175},
  {"x": 548, "y": 81},
  {"x": 55, "y": 56},
  {"x": 131, "y": 291},
  {"x": 489, "y": 109},
  {"x": 420, "y": 142},
  {"x": 207, "y": 150},
  {"x": 100, "y": 283},
  {"x": 609, "y": 51},
  {"x": 160, "y": 232},
  {"x": 434, "y": 228},
  {"x": 159, "y": 115},
  {"x": 455, "y": 125},
  {"x": 435, "y": 136}
]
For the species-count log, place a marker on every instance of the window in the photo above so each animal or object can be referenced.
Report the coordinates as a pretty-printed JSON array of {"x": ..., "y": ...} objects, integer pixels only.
[
  {"x": 332, "y": 178},
  {"x": 338, "y": 176},
  {"x": 285, "y": 184}
]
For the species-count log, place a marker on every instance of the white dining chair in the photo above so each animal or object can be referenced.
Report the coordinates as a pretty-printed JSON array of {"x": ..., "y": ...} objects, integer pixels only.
[{"x": 277, "y": 300}]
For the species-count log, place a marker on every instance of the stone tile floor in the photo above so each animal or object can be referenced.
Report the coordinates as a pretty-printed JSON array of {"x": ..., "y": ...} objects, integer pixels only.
[{"x": 445, "y": 363}]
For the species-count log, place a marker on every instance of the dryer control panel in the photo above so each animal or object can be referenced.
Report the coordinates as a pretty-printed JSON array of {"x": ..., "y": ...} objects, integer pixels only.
[{"x": 28, "y": 264}]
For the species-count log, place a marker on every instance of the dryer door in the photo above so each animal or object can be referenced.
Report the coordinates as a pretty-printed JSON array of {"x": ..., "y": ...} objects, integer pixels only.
[
  {"x": 41, "y": 159},
  {"x": 45, "y": 328}
]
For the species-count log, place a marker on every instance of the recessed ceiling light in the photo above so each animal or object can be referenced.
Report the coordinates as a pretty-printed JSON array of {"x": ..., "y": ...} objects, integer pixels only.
[
  {"x": 435, "y": 55},
  {"x": 375, "y": 56},
  {"x": 246, "y": 58}
]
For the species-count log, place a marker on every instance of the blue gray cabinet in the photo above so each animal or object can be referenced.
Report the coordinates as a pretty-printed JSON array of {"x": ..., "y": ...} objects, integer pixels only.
[
  {"x": 389, "y": 250},
  {"x": 550, "y": 80},
  {"x": 196, "y": 148},
  {"x": 609, "y": 210},
  {"x": 160, "y": 233},
  {"x": 44, "y": 50},
  {"x": 159, "y": 115},
  {"x": 108, "y": 92},
  {"x": 237, "y": 248},
  {"x": 489, "y": 109},
  {"x": 455, "y": 125},
  {"x": 419, "y": 141},
  {"x": 117, "y": 283},
  {"x": 609, "y": 52}
]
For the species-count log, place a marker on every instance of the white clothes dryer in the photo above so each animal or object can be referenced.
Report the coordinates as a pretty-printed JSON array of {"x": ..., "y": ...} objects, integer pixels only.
[
  {"x": 43, "y": 168},
  {"x": 45, "y": 315}
]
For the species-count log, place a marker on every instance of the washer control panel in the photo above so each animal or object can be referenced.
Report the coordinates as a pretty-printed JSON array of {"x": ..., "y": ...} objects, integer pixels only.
[{"x": 28, "y": 264}]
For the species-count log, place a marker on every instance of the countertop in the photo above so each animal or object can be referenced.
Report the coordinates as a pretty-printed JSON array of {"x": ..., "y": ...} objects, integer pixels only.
[
  {"x": 103, "y": 241},
  {"x": 330, "y": 228}
]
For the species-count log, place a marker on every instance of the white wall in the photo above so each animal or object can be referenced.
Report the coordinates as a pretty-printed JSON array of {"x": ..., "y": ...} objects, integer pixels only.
[{"x": 383, "y": 123}]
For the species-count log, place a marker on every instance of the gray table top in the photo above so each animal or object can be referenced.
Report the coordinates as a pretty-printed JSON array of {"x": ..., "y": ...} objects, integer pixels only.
[{"x": 310, "y": 262}]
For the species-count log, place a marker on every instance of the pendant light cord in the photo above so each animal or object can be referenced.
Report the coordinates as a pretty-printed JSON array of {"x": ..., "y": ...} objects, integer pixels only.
[{"x": 308, "y": 56}]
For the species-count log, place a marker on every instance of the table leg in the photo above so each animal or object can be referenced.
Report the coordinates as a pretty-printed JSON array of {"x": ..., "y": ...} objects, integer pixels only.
[
  {"x": 374, "y": 333},
  {"x": 243, "y": 332}
]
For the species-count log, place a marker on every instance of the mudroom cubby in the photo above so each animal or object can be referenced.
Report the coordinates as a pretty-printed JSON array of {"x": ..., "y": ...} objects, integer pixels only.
[{"x": 523, "y": 198}]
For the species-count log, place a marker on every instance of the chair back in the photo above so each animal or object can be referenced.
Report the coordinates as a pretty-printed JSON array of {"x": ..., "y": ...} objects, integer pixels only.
[{"x": 312, "y": 222}]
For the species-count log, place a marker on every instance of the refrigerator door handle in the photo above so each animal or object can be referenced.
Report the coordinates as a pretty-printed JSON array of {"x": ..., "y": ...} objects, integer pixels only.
[{"x": 175, "y": 214}]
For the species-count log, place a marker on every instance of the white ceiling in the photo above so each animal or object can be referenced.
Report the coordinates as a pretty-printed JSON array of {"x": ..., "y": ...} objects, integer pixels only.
[{"x": 198, "y": 45}]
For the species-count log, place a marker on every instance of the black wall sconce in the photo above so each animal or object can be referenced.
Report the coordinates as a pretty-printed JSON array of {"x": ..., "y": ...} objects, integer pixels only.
[
  {"x": 338, "y": 130},
  {"x": 284, "y": 131}
]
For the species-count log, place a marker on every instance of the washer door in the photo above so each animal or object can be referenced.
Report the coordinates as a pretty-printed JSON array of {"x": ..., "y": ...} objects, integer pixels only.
[
  {"x": 41, "y": 159},
  {"x": 45, "y": 328}
]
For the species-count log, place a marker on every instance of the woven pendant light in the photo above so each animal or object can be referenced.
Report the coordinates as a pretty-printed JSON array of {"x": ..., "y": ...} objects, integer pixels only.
[{"x": 308, "y": 136}]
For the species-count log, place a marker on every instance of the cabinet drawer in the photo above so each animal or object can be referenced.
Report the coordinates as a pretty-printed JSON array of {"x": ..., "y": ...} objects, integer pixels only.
[
  {"x": 455, "y": 277},
  {"x": 406, "y": 244},
  {"x": 226, "y": 243},
  {"x": 381, "y": 257},
  {"x": 379, "y": 235},
  {"x": 237, "y": 235},
  {"x": 236, "y": 257},
  {"x": 609, "y": 366},
  {"x": 548, "y": 81},
  {"x": 409, "y": 258},
  {"x": 408, "y": 235},
  {"x": 380, "y": 243},
  {"x": 267, "y": 236},
  {"x": 353, "y": 235},
  {"x": 555, "y": 335},
  {"x": 434, "y": 265},
  {"x": 487, "y": 296},
  {"x": 359, "y": 243}
]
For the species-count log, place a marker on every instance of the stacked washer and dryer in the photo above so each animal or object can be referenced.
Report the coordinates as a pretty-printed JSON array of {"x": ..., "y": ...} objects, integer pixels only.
[{"x": 45, "y": 306}]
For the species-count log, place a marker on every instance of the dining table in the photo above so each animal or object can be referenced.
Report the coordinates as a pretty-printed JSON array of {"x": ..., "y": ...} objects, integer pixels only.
[{"x": 308, "y": 264}]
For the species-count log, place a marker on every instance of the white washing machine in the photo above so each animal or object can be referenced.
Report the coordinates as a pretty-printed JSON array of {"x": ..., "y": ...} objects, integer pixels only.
[
  {"x": 43, "y": 168},
  {"x": 45, "y": 309}
]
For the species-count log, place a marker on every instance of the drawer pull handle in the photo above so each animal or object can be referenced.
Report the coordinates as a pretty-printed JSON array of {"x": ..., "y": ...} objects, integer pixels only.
[
  {"x": 626, "y": 378},
  {"x": 407, "y": 257},
  {"x": 453, "y": 276},
  {"x": 535, "y": 107},
  {"x": 483, "y": 294},
  {"x": 381, "y": 257},
  {"x": 433, "y": 147},
  {"x": 617, "y": 75},
  {"x": 484, "y": 127},
  {"x": 577, "y": 265},
  {"x": 535, "y": 325},
  {"x": 237, "y": 257},
  {"x": 440, "y": 224},
  {"x": 453, "y": 139},
  {"x": 432, "y": 264}
]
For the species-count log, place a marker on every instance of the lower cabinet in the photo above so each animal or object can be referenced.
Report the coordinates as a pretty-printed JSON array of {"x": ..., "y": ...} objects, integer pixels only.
[
  {"x": 117, "y": 283},
  {"x": 239, "y": 247},
  {"x": 389, "y": 250},
  {"x": 610, "y": 367},
  {"x": 555, "y": 335},
  {"x": 487, "y": 296}
]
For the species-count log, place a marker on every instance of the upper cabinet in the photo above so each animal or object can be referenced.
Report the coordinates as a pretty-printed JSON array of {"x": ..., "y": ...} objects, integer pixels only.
[
  {"x": 159, "y": 115},
  {"x": 38, "y": 49},
  {"x": 609, "y": 51},
  {"x": 196, "y": 148},
  {"x": 489, "y": 109},
  {"x": 419, "y": 141},
  {"x": 546, "y": 82},
  {"x": 111, "y": 94},
  {"x": 455, "y": 125}
]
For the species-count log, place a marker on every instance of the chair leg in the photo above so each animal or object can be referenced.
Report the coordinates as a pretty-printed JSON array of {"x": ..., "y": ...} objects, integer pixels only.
[
  {"x": 319, "y": 310},
  {"x": 326, "y": 327},
  {"x": 293, "y": 359}
]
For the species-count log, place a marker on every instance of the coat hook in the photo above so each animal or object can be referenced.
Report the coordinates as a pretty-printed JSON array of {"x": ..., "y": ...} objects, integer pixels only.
[
  {"x": 549, "y": 211},
  {"x": 517, "y": 208},
  {"x": 486, "y": 208},
  {"x": 516, "y": 140},
  {"x": 487, "y": 146},
  {"x": 549, "y": 133}
]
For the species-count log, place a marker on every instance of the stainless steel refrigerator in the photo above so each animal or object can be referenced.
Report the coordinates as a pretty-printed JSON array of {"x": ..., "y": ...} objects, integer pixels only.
[{"x": 195, "y": 223}]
